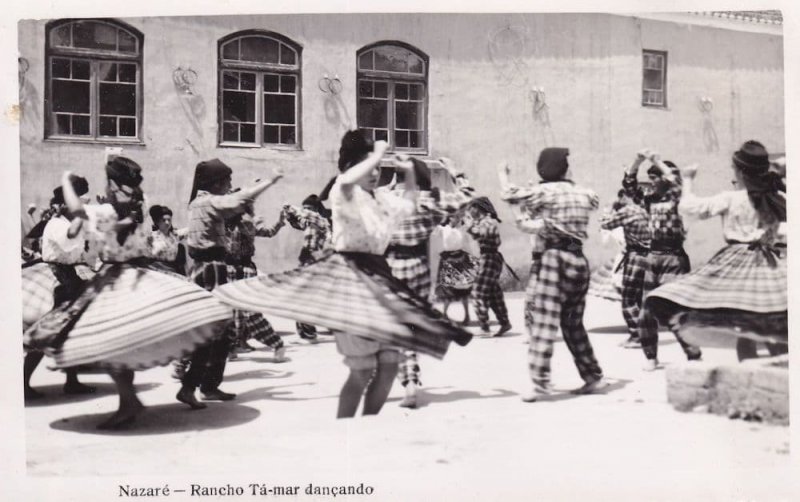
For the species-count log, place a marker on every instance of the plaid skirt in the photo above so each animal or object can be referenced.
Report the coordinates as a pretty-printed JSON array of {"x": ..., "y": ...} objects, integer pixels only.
[
  {"x": 456, "y": 275},
  {"x": 740, "y": 292},
  {"x": 39, "y": 283},
  {"x": 248, "y": 324},
  {"x": 354, "y": 293},
  {"x": 413, "y": 271},
  {"x": 490, "y": 266},
  {"x": 606, "y": 282},
  {"x": 129, "y": 317}
]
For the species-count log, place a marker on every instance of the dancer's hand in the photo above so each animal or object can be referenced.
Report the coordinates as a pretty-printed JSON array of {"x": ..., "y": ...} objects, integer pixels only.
[
  {"x": 277, "y": 174},
  {"x": 31, "y": 209},
  {"x": 380, "y": 146},
  {"x": 689, "y": 172},
  {"x": 643, "y": 154},
  {"x": 403, "y": 162},
  {"x": 655, "y": 157}
]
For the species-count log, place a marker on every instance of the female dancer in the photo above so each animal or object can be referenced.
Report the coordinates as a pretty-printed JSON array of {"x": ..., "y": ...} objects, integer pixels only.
[
  {"x": 165, "y": 243},
  {"x": 740, "y": 296},
  {"x": 352, "y": 290},
  {"x": 128, "y": 317}
]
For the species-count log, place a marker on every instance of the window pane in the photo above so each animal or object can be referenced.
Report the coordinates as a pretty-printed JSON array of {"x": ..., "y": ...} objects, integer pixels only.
[
  {"x": 259, "y": 49},
  {"x": 238, "y": 106},
  {"x": 80, "y": 69},
  {"x": 60, "y": 68},
  {"x": 247, "y": 81},
  {"x": 653, "y": 80},
  {"x": 278, "y": 109},
  {"x": 107, "y": 72},
  {"x": 372, "y": 113},
  {"x": 70, "y": 96},
  {"x": 61, "y": 36},
  {"x": 401, "y": 91},
  {"x": 80, "y": 125},
  {"x": 381, "y": 89},
  {"x": 94, "y": 35},
  {"x": 401, "y": 139},
  {"x": 230, "y": 131},
  {"x": 364, "y": 89},
  {"x": 365, "y": 61},
  {"x": 287, "y": 55},
  {"x": 416, "y": 65},
  {"x": 415, "y": 139},
  {"x": 416, "y": 91},
  {"x": 127, "y": 127},
  {"x": 108, "y": 126},
  {"x": 288, "y": 83},
  {"x": 271, "y": 134},
  {"x": 127, "y": 72},
  {"x": 287, "y": 135},
  {"x": 248, "y": 133},
  {"x": 271, "y": 83},
  {"x": 381, "y": 135},
  {"x": 118, "y": 99},
  {"x": 230, "y": 50},
  {"x": 391, "y": 59},
  {"x": 127, "y": 42},
  {"x": 63, "y": 124},
  {"x": 408, "y": 115},
  {"x": 230, "y": 80}
]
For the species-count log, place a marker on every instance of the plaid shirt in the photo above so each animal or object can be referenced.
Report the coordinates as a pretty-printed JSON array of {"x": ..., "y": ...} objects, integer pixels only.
[
  {"x": 666, "y": 224},
  {"x": 316, "y": 228},
  {"x": 633, "y": 219},
  {"x": 486, "y": 232},
  {"x": 240, "y": 243},
  {"x": 563, "y": 207},
  {"x": 207, "y": 215}
]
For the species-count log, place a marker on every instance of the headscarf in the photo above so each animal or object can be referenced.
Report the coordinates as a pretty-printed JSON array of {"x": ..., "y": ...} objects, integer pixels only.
[
  {"x": 552, "y": 164},
  {"x": 763, "y": 186},
  {"x": 79, "y": 185},
  {"x": 207, "y": 174},
  {"x": 125, "y": 172},
  {"x": 157, "y": 212},
  {"x": 353, "y": 149},
  {"x": 314, "y": 202},
  {"x": 485, "y": 205}
]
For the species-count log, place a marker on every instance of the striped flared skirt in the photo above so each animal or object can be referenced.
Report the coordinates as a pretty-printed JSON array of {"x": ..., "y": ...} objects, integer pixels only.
[
  {"x": 353, "y": 293},
  {"x": 129, "y": 317},
  {"x": 38, "y": 290}
]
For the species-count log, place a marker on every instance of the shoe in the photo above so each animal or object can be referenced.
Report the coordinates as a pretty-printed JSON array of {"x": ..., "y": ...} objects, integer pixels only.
[
  {"x": 503, "y": 329},
  {"x": 410, "y": 399},
  {"x": 485, "y": 327},
  {"x": 309, "y": 339},
  {"x": 698, "y": 357},
  {"x": 78, "y": 388},
  {"x": 217, "y": 395},
  {"x": 590, "y": 387},
  {"x": 651, "y": 365},
  {"x": 186, "y": 396},
  {"x": 538, "y": 393},
  {"x": 631, "y": 343},
  {"x": 31, "y": 393},
  {"x": 179, "y": 370},
  {"x": 280, "y": 355}
]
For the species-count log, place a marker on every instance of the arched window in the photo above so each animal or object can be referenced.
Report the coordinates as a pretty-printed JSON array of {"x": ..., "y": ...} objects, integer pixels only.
[
  {"x": 259, "y": 90},
  {"x": 94, "y": 80},
  {"x": 393, "y": 95}
]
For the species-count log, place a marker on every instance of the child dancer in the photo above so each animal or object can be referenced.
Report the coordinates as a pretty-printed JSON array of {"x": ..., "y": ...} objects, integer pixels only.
[
  {"x": 63, "y": 247},
  {"x": 210, "y": 204},
  {"x": 634, "y": 221},
  {"x": 407, "y": 254},
  {"x": 558, "y": 211},
  {"x": 667, "y": 258},
  {"x": 129, "y": 317},
  {"x": 240, "y": 248},
  {"x": 352, "y": 290},
  {"x": 486, "y": 292},
  {"x": 740, "y": 296}
]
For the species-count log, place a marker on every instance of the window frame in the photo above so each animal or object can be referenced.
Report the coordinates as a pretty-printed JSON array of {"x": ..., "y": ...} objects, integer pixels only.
[
  {"x": 260, "y": 69},
  {"x": 94, "y": 57},
  {"x": 392, "y": 78},
  {"x": 665, "y": 103}
]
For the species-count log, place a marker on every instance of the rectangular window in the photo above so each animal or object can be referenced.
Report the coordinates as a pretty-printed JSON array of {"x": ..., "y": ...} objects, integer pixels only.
[
  {"x": 654, "y": 79},
  {"x": 392, "y": 111}
]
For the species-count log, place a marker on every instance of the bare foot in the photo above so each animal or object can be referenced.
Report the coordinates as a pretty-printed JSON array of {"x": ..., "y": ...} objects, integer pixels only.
[{"x": 122, "y": 418}]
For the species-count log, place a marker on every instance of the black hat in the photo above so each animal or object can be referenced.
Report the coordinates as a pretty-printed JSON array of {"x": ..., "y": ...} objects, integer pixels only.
[
  {"x": 124, "y": 171},
  {"x": 79, "y": 184},
  {"x": 157, "y": 212},
  {"x": 207, "y": 174},
  {"x": 353, "y": 149},
  {"x": 752, "y": 157},
  {"x": 552, "y": 164},
  {"x": 485, "y": 205}
]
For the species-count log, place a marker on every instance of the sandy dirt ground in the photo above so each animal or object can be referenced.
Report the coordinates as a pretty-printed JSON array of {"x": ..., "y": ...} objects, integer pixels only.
[{"x": 470, "y": 439}]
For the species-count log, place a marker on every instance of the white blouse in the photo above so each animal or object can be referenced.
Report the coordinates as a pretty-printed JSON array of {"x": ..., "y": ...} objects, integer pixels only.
[
  {"x": 740, "y": 221},
  {"x": 57, "y": 247},
  {"x": 363, "y": 223},
  {"x": 101, "y": 234}
]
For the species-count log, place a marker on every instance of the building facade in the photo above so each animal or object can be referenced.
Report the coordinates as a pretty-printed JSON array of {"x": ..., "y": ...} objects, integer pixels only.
[{"x": 261, "y": 91}]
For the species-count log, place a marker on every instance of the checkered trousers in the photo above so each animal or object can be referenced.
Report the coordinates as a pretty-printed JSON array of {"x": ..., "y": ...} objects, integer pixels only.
[
  {"x": 408, "y": 371},
  {"x": 634, "y": 265},
  {"x": 246, "y": 324},
  {"x": 661, "y": 268},
  {"x": 486, "y": 291},
  {"x": 559, "y": 300}
]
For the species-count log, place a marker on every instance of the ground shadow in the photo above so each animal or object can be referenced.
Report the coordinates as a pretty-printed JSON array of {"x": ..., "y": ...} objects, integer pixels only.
[
  {"x": 259, "y": 373},
  {"x": 164, "y": 419},
  {"x": 274, "y": 393},
  {"x": 611, "y": 330},
  {"x": 564, "y": 394},
  {"x": 53, "y": 394},
  {"x": 426, "y": 396}
]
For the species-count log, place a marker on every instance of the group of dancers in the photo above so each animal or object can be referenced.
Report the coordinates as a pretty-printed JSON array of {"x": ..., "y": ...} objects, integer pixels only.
[{"x": 104, "y": 291}]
